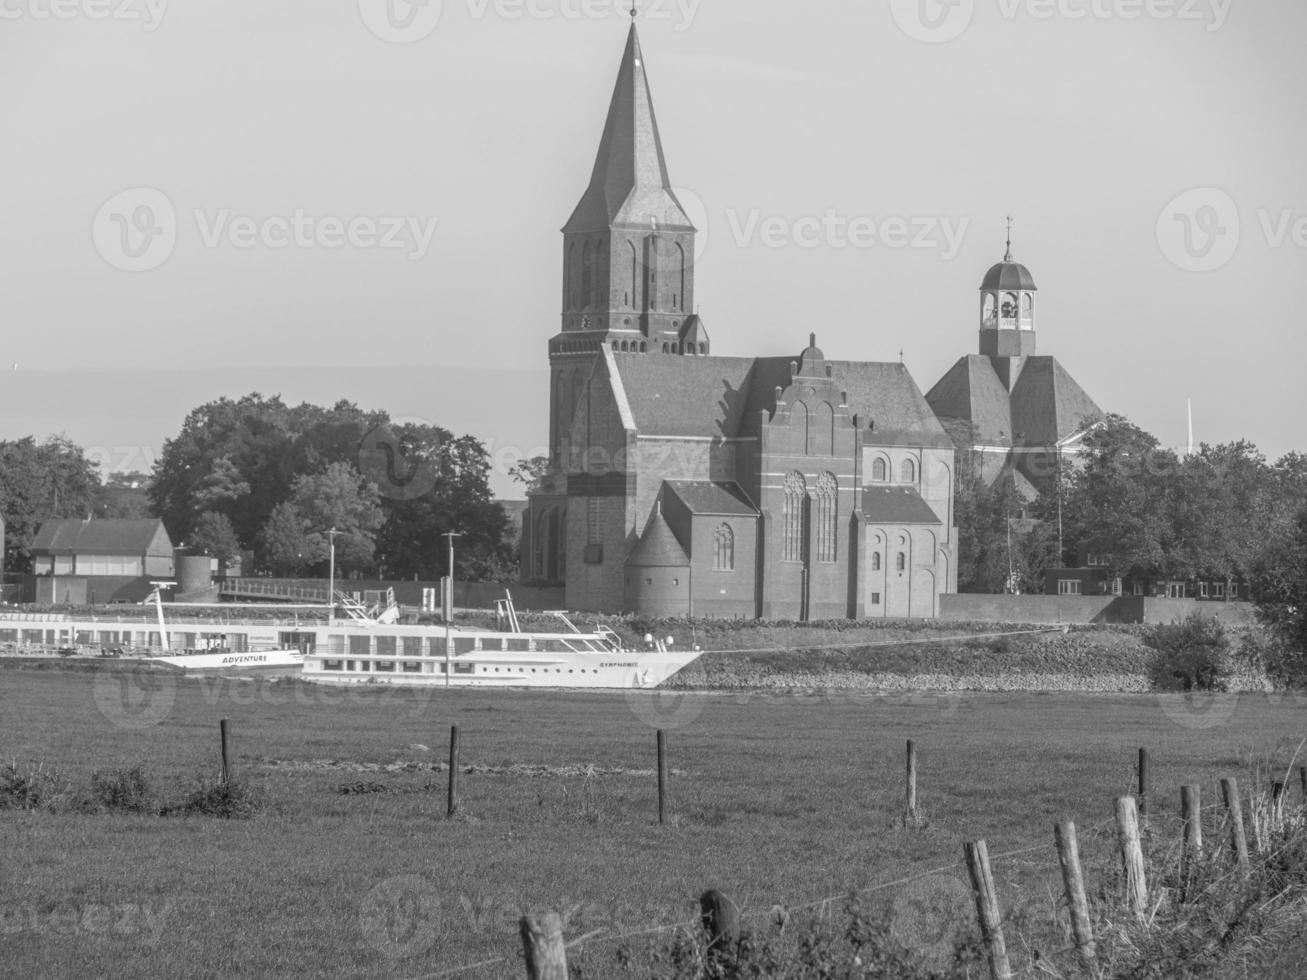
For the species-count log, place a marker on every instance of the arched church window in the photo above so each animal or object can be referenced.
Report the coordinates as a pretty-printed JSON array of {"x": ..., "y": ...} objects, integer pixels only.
[
  {"x": 827, "y": 500},
  {"x": 990, "y": 314},
  {"x": 908, "y": 472},
  {"x": 724, "y": 549},
  {"x": 1027, "y": 311},
  {"x": 1009, "y": 308},
  {"x": 587, "y": 272},
  {"x": 703, "y": 348},
  {"x": 665, "y": 349},
  {"x": 796, "y": 492},
  {"x": 875, "y": 561},
  {"x": 644, "y": 347},
  {"x": 880, "y": 471},
  {"x": 901, "y": 562},
  {"x": 799, "y": 428}
]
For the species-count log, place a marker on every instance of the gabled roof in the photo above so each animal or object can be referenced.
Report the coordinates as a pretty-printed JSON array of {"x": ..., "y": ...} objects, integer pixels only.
[
  {"x": 629, "y": 185},
  {"x": 1048, "y": 405},
  {"x": 658, "y": 547},
  {"x": 102, "y": 537},
  {"x": 972, "y": 392},
  {"x": 717, "y": 499},
  {"x": 896, "y": 505},
  {"x": 722, "y": 397}
]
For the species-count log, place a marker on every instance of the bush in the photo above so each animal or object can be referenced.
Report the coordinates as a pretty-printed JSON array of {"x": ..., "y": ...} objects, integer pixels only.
[
  {"x": 1192, "y": 655},
  {"x": 234, "y": 799},
  {"x": 122, "y": 791},
  {"x": 32, "y": 787}
]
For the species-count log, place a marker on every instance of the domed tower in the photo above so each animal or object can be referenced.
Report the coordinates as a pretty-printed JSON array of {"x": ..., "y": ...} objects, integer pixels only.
[{"x": 1007, "y": 308}]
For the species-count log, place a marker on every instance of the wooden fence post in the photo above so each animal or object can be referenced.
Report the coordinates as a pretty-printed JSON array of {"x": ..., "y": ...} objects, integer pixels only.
[
  {"x": 1277, "y": 800},
  {"x": 224, "y": 731},
  {"x": 987, "y": 908},
  {"x": 1073, "y": 881},
  {"x": 1191, "y": 812},
  {"x": 453, "y": 773},
  {"x": 721, "y": 920},
  {"x": 1302, "y": 778},
  {"x": 912, "y": 781},
  {"x": 662, "y": 776},
  {"x": 542, "y": 941},
  {"x": 1233, "y": 807},
  {"x": 1143, "y": 785},
  {"x": 1132, "y": 856}
]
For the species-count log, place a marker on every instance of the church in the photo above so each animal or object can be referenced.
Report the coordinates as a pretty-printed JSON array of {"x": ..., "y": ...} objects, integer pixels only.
[{"x": 683, "y": 483}]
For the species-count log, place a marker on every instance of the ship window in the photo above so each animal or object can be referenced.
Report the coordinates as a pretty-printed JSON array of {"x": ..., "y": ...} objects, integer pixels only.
[
  {"x": 412, "y": 668},
  {"x": 351, "y": 665},
  {"x": 412, "y": 646},
  {"x": 901, "y": 562},
  {"x": 464, "y": 668},
  {"x": 332, "y": 665},
  {"x": 387, "y": 666}
]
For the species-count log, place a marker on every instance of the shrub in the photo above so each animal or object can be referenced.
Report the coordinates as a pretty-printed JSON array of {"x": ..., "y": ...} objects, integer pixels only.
[
  {"x": 233, "y": 799},
  {"x": 122, "y": 790},
  {"x": 1190, "y": 655},
  {"x": 32, "y": 787}
]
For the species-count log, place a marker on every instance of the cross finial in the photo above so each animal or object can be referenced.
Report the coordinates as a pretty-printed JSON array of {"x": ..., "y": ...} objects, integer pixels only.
[
  {"x": 1008, "y": 255},
  {"x": 900, "y": 355}
]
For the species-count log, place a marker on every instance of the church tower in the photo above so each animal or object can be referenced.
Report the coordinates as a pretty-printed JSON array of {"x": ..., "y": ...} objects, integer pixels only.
[
  {"x": 1007, "y": 309},
  {"x": 628, "y": 253}
]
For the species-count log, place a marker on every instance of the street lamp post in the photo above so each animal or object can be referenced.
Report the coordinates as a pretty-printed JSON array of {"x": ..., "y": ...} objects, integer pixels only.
[
  {"x": 331, "y": 580},
  {"x": 448, "y": 610}
]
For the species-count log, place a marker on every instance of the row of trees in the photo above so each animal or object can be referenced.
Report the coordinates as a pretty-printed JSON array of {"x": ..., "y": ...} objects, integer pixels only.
[
  {"x": 1142, "y": 510},
  {"x": 257, "y": 475}
]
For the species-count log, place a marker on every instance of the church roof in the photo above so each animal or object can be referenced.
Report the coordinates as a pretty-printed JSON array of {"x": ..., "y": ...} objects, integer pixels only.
[
  {"x": 629, "y": 185},
  {"x": 1045, "y": 407},
  {"x": 1009, "y": 275},
  {"x": 723, "y": 397},
  {"x": 716, "y": 499},
  {"x": 896, "y": 505},
  {"x": 658, "y": 547}
]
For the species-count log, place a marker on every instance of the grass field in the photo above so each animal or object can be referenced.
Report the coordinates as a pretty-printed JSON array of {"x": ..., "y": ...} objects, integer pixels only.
[{"x": 778, "y": 799}]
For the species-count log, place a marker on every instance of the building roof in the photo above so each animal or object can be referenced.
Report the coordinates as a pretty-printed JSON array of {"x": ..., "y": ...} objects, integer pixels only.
[
  {"x": 658, "y": 547},
  {"x": 1045, "y": 406},
  {"x": 102, "y": 537},
  {"x": 896, "y": 505},
  {"x": 717, "y": 499},
  {"x": 1009, "y": 275},
  {"x": 629, "y": 185},
  {"x": 722, "y": 397}
]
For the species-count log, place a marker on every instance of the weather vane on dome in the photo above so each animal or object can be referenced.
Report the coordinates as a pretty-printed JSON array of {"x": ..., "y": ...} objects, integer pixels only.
[{"x": 1008, "y": 256}]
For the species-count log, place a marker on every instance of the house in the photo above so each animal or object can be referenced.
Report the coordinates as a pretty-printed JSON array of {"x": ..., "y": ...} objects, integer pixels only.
[{"x": 98, "y": 561}]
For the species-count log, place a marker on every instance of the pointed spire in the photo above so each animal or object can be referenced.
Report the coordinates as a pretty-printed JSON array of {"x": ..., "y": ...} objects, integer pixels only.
[
  {"x": 629, "y": 185},
  {"x": 1008, "y": 256}
]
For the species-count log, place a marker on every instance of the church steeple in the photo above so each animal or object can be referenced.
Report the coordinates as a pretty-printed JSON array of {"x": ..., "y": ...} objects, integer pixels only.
[
  {"x": 628, "y": 266},
  {"x": 1007, "y": 308}
]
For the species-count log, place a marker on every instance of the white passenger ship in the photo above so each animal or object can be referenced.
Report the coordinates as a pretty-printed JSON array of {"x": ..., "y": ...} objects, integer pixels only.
[{"x": 369, "y": 646}]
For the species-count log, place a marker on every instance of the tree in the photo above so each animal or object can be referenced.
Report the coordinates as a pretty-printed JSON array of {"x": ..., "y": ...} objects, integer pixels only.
[
  {"x": 340, "y": 499},
  {"x": 214, "y": 536},
  {"x": 40, "y": 482},
  {"x": 284, "y": 542},
  {"x": 531, "y": 473},
  {"x": 1278, "y": 585}
]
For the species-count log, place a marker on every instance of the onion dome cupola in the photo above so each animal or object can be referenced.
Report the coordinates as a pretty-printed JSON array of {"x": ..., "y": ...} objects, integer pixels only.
[{"x": 1007, "y": 308}]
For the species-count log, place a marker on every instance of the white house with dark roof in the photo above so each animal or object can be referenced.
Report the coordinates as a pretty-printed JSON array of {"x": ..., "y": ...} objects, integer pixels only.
[{"x": 98, "y": 561}]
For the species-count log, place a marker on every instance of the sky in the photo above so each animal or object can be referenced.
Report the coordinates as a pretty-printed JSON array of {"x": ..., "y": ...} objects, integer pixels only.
[{"x": 361, "y": 199}]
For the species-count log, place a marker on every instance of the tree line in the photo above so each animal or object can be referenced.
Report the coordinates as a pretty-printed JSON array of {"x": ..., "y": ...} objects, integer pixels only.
[{"x": 256, "y": 475}]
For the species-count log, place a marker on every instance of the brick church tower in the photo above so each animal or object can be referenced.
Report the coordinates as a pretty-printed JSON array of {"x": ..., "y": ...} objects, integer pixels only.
[{"x": 628, "y": 253}]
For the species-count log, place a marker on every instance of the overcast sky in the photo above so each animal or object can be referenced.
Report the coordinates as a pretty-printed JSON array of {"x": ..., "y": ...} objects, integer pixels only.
[{"x": 318, "y": 198}]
